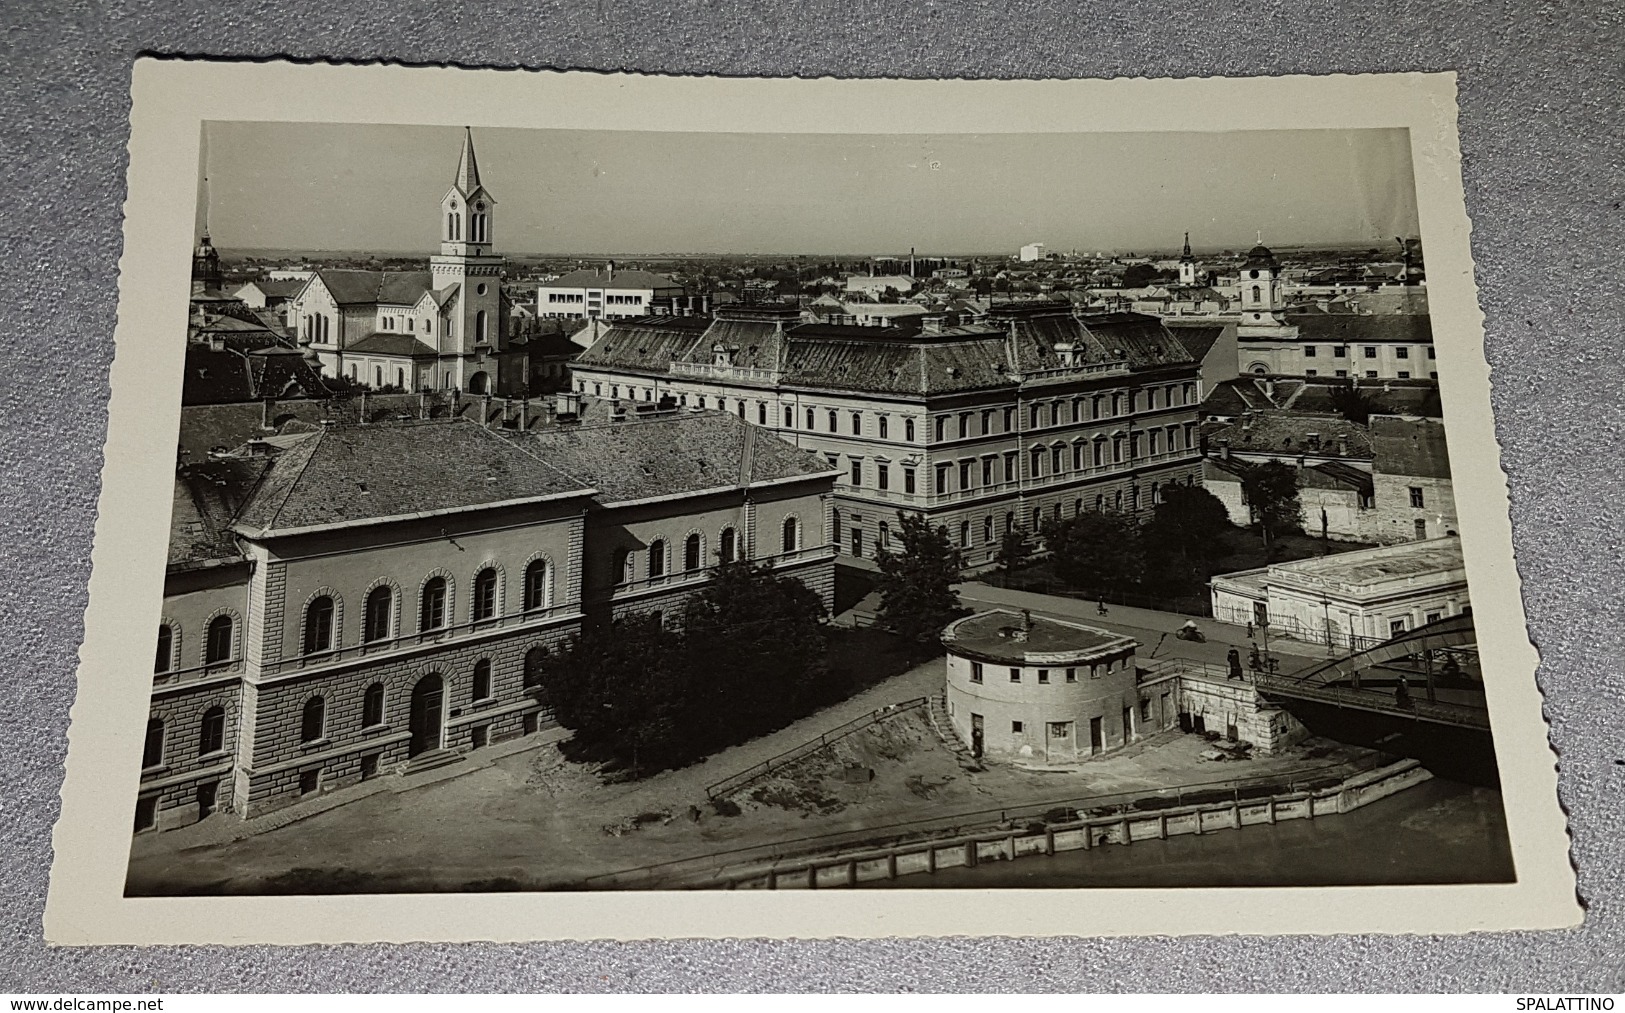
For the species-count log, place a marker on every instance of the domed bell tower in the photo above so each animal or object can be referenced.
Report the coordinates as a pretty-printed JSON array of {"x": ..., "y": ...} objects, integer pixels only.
[{"x": 474, "y": 329}]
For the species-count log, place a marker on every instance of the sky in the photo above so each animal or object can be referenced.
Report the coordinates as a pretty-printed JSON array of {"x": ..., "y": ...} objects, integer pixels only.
[{"x": 309, "y": 186}]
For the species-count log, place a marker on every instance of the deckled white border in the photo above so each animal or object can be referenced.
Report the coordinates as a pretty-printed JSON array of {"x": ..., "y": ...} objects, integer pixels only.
[{"x": 170, "y": 101}]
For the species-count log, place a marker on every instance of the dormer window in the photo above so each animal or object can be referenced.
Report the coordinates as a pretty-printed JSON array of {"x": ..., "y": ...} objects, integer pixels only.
[{"x": 722, "y": 356}]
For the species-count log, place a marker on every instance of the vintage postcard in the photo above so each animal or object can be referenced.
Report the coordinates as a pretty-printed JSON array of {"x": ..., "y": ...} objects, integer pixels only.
[{"x": 550, "y": 506}]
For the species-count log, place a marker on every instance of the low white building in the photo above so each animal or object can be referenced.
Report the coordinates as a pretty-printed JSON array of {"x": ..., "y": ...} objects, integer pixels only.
[
  {"x": 1350, "y": 599},
  {"x": 875, "y": 285},
  {"x": 1031, "y": 252},
  {"x": 604, "y": 293}
]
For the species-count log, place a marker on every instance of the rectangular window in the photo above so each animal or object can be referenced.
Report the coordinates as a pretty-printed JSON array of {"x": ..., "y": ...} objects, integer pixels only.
[
  {"x": 1404, "y": 374},
  {"x": 964, "y": 425},
  {"x": 943, "y": 471},
  {"x": 964, "y": 474},
  {"x": 1311, "y": 372},
  {"x": 1416, "y": 496},
  {"x": 1010, "y": 466},
  {"x": 883, "y": 476},
  {"x": 1370, "y": 374},
  {"x": 857, "y": 472},
  {"x": 1341, "y": 372},
  {"x": 1043, "y": 676},
  {"x": 942, "y": 429},
  {"x": 1009, "y": 419},
  {"x": 1370, "y": 351},
  {"x": 1033, "y": 416},
  {"x": 987, "y": 471},
  {"x": 1015, "y": 675},
  {"x": 1396, "y": 627},
  {"x": 908, "y": 480},
  {"x": 1402, "y": 352},
  {"x": 1015, "y": 728},
  {"x": 1432, "y": 352},
  {"x": 1071, "y": 675},
  {"x": 882, "y": 423},
  {"x": 976, "y": 671},
  {"x": 1340, "y": 351},
  {"x": 1308, "y": 351}
]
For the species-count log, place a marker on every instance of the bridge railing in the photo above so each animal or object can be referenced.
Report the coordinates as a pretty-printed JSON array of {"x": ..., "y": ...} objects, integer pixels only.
[{"x": 1438, "y": 711}]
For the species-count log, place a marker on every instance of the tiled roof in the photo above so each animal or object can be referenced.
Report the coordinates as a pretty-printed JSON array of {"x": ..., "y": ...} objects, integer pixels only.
[
  {"x": 206, "y": 497},
  {"x": 884, "y": 360},
  {"x": 620, "y": 278},
  {"x": 1343, "y": 473},
  {"x": 235, "y": 374},
  {"x": 352, "y": 474},
  {"x": 1198, "y": 339},
  {"x": 357, "y": 287},
  {"x": 1355, "y": 328},
  {"x": 285, "y": 288},
  {"x": 671, "y": 455},
  {"x": 393, "y": 343},
  {"x": 1287, "y": 434},
  {"x": 1409, "y": 446},
  {"x": 1395, "y": 397}
]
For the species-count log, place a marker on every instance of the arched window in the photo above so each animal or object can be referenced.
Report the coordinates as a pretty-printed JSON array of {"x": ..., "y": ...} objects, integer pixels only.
[
  {"x": 987, "y": 529},
  {"x": 1134, "y": 497},
  {"x": 319, "y": 625},
  {"x": 211, "y": 737},
  {"x": 1037, "y": 455},
  {"x": 535, "y": 659},
  {"x": 217, "y": 647},
  {"x": 479, "y": 326},
  {"x": 1117, "y": 501},
  {"x": 625, "y": 565},
  {"x": 372, "y": 706},
  {"x": 485, "y": 594},
  {"x": 657, "y": 558},
  {"x": 964, "y": 534},
  {"x": 908, "y": 430},
  {"x": 377, "y": 376},
  {"x": 538, "y": 585},
  {"x": 1100, "y": 504},
  {"x": 691, "y": 553},
  {"x": 725, "y": 545},
  {"x": 432, "y": 607},
  {"x": 166, "y": 649},
  {"x": 857, "y": 423},
  {"x": 1156, "y": 494},
  {"x": 400, "y": 378},
  {"x": 884, "y": 538},
  {"x": 313, "y": 721},
  {"x": 761, "y": 413},
  {"x": 1009, "y": 521},
  {"x": 832, "y": 418},
  {"x": 451, "y": 226},
  {"x": 1038, "y": 518},
  {"x": 380, "y": 610},
  {"x": 480, "y": 688},
  {"x": 790, "y": 538},
  {"x": 152, "y": 750}
]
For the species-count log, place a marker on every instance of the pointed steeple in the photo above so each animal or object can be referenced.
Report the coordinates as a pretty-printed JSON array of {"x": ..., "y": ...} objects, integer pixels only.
[
  {"x": 468, "y": 170},
  {"x": 1185, "y": 254}
]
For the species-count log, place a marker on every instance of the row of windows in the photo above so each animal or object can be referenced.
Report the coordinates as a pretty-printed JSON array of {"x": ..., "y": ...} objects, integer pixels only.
[
  {"x": 1053, "y": 460},
  {"x": 313, "y": 716},
  {"x": 320, "y": 631},
  {"x": 1370, "y": 374},
  {"x": 1366, "y": 351},
  {"x": 479, "y": 226},
  {"x": 316, "y": 327},
  {"x": 393, "y": 323},
  {"x": 1095, "y": 671},
  {"x": 728, "y": 550},
  {"x": 1080, "y": 409}
]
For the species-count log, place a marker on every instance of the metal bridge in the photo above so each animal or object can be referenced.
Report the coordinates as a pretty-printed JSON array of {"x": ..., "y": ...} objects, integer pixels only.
[{"x": 1427, "y": 674}]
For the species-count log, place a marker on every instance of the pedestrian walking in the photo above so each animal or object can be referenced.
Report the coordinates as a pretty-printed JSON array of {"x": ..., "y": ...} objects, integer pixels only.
[
  {"x": 1234, "y": 657},
  {"x": 1101, "y": 606}
]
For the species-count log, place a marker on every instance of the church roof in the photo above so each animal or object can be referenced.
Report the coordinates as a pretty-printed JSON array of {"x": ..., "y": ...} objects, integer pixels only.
[
  {"x": 393, "y": 343},
  {"x": 468, "y": 170},
  {"x": 351, "y": 287},
  {"x": 1354, "y": 328}
]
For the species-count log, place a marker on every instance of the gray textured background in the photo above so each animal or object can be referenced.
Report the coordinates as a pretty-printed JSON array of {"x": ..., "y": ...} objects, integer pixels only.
[{"x": 1542, "y": 139}]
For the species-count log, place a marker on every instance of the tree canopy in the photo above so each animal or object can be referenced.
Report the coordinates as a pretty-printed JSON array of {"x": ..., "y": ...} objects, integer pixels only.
[
  {"x": 916, "y": 584},
  {"x": 1354, "y": 404},
  {"x": 1183, "y": 532},
  {"x": 1097, "y": 551},
  {"x": 1271, "y": 489}
]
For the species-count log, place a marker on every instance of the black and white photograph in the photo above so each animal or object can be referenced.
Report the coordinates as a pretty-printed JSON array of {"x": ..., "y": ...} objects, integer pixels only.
[{"x": 961, "y": 509}]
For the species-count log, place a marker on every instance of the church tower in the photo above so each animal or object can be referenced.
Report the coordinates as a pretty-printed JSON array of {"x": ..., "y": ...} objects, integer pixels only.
[
  {"x": 474, "y": 324},
  {"x": 1266, "y": 342},
  {"x": 1260, "y": 296},
  {"x": 1187, "y": 264}
]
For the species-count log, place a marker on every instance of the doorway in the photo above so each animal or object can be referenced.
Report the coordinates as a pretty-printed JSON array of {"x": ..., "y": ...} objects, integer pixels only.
[
  {"x": 976, "y": 736},
  {"x": 207, "y": 793},
  {"x": 424, "y": 724},
  {"x": 1097, "y": 736},
  {"x": 857, "y": 542}
]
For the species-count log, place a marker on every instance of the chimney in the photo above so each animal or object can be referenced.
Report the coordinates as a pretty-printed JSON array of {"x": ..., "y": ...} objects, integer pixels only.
[
  {"x": 1269, "y": 389},
  {"x": 1224, "y": 449},
  {"x": 1027, "y": 620},
  {"x": 1342, "y": 445},
  {"x": 268, "y": 413},
  {"x": 1314, "y": 441}
]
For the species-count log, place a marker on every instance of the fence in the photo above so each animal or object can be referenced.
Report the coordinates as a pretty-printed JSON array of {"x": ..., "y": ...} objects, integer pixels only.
[
  {"x": 731, "y": 784},
  {"x": 1236, "y": 790},
  {"x": 1199, "y": 605}
]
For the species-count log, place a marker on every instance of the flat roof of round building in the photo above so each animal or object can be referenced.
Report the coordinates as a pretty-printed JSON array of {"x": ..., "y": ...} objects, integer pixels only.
[{"x": 1002, "y": 636}]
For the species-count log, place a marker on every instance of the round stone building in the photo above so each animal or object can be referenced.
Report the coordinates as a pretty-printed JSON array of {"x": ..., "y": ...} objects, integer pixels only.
[{"x": 1037, "y": 690}]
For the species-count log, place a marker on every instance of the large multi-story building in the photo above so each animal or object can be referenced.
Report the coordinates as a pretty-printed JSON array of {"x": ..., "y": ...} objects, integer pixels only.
[
  {"x": 1038, "y": 413},
  {"x": 350, "y": 600},
  {"x": 445, "y": 327}
]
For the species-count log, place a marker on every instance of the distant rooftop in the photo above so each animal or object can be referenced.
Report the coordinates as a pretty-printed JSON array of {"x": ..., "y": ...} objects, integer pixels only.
[
  {"x": 1002, "y": 636},
  {"x": 1363, "y": 571}
]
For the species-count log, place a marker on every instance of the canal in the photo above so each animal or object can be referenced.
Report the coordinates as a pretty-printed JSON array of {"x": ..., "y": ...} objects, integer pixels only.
[{"x": 1436, "y": 832}]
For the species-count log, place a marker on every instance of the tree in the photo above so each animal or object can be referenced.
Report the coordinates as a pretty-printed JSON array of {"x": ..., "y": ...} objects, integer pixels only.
[
  {"x": 1014, "y": 549},
  {"x": 1271, "y": 489},
  {"x": 1096, "y": 551},
  {"x": 916, "y": 585},
  {"x": 756, "y": 652},
  {"x": 1354, "y": 404},
  {"x": 622, "y": 688},
  {"x": 1183, "y": 531},
  {"x": 1139, "y": 276}
]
